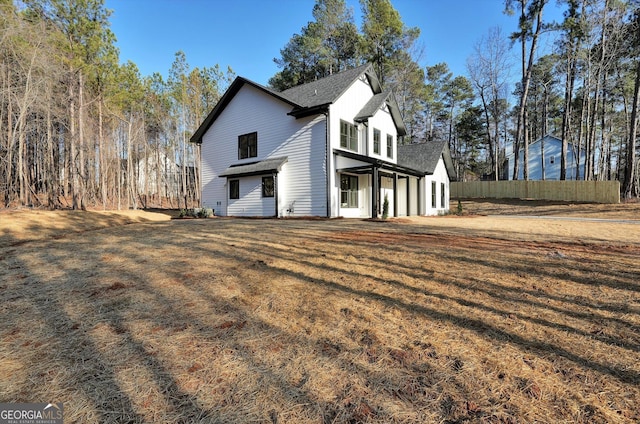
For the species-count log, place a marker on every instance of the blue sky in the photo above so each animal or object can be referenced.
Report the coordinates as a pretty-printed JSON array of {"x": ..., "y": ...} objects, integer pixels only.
[{"x": 247, "y": 34}]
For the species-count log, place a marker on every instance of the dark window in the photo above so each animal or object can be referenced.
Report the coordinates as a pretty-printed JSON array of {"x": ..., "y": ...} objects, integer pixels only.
[
  {"x": 433, "y": 195},
  {"x": 268, "y": 187},
  {"x": 376, "y": 141},
  {"x": 348, "y": 136},
  {"x": 390, "y": 146},
  {"x": 443, "y": 193},
  {"x": 552, "y": 159},
  {"x": 248, "y": 145},
  {"x": 348, "y": 191},
  {"x": 234, "y": 189}
]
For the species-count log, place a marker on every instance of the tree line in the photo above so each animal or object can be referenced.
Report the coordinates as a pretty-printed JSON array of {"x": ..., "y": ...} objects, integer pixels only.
[
  {"x": 79, "y": 129},
  {"x": 584, "y": 91}
]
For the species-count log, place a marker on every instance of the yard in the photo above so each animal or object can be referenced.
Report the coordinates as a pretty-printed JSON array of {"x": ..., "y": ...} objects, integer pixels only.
[{"x": 133, "y": 317}]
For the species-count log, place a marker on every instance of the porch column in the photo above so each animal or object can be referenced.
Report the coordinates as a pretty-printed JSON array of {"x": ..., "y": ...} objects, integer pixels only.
[
  {"x": 395, "y": 195},
  {"x": 420, "y": 180},
  {"x": 408, "y": 196},
  {"x": 374, "y": 191}
]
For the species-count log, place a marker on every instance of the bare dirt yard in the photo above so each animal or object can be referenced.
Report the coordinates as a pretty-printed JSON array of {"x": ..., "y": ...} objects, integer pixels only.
[{"x": 132, "y": 317}]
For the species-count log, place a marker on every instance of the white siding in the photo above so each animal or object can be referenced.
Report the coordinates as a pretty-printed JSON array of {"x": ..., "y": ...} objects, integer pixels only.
[
  {"x": 346, "y": 108},
  {"x": 439, "y": 177},
  {"x": 251, "y": 202},
  {"x": 300, "y": 183}
]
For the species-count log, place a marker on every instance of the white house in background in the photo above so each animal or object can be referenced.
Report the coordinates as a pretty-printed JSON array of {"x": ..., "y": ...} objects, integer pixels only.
[
  {"x": 326, "y": 148},
  {"x": 158, "y": 174},
  {"x": 545, "y": 155}
]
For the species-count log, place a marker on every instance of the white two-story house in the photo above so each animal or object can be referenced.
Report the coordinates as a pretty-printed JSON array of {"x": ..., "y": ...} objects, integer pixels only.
[{"x": 327, "y": 148}]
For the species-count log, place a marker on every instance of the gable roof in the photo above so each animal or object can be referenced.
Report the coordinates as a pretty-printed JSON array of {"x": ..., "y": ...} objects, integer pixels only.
[
  {"x": 312, "y": 98},
  {"x": 425, "y": 156},
  {"x": 375, "y": 103},
  {"x": 233, "y": 89},
  {"x": 327, "y": 90}
]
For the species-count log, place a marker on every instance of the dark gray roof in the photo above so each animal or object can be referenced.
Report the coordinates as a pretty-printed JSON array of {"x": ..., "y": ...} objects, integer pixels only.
[
  {"x": 375, "y": 103},
  {"x": 425, "y": 156},
  {"x": 255, "y": 168},
  {"x": 327, "y": 90},
  {"x": 311, "y": 98},
  {"x": 372, "y": 106}
]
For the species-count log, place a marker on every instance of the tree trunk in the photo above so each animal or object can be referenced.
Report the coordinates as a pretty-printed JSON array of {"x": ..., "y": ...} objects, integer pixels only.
[
  {"x": 81, "y": 150},
  {"x": 566, "y": 116},
  {"x": 630, "y": 188}
]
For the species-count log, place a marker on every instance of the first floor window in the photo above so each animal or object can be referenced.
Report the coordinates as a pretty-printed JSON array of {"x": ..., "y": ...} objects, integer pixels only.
[
  {"x": 268, "y": 186},
  {"x": 390, "y": 146},
  {"x": 248, "y": 145},
  {"x": 433, "y": 194},
  {"x": 348, "y": 191},
  {"x": 234, "y": 189},
  {"x": 443, "y": 193}
]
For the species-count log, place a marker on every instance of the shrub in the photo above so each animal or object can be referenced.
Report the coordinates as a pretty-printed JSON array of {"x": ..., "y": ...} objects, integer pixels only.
[{"x": 385, "y": 207}]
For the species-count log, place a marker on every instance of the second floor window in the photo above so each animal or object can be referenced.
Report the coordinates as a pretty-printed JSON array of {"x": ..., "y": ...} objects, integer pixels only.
[
  {"x": 348, "y": 136},
  {"x": 376, "y": 141},
  {"x": 248, "y": 145},
  {"x": 390, "y": 146}
]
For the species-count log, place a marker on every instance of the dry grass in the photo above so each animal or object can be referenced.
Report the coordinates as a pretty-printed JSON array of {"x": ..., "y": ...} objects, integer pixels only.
[{"x": 237, "y": 321}]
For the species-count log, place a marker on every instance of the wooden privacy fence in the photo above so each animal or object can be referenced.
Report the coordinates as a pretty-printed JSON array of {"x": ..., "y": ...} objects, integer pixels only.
[{"x": 569, "y": 191}]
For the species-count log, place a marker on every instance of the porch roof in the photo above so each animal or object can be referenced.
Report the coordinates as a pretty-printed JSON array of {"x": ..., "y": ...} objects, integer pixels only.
[
  {"x": 360, "y": 164},
  {"x": 262, "y": 167}
]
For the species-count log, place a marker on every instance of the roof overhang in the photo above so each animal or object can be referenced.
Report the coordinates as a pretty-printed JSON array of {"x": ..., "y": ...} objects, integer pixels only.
[
  {"x": 263, "y": 167},
  {"x": 360, "y": 164}
]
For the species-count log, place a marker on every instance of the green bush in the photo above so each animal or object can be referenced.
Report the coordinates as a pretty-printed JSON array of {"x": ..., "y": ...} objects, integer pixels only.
[{"x": 385, "y": 207}]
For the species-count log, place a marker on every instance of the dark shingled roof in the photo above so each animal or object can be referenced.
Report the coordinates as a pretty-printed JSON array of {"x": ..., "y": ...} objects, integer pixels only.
[
  {"x": 328, "y": 89},
  {"x": 314, "y": 97},
  {"x": 255, "y": 168},
  {"x": 424, "y": 156},
  {"x": 372, "y": 106}
]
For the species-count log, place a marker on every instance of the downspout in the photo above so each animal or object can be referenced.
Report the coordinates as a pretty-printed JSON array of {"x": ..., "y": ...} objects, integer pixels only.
[{"x": 328, "y": 163}]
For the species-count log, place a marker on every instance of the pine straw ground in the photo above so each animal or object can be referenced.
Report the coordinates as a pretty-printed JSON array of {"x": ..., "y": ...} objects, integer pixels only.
[{"x": 318, "y": 321}]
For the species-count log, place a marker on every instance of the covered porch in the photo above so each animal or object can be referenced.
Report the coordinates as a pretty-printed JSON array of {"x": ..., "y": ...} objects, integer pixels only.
[{"x": 364, "y": 182}]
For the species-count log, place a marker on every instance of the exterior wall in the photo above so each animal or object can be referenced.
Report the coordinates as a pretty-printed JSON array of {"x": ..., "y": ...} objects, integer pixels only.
[
  {"x": 251, "y": 202},
  {"x": 552, "y": 159},
  {"x": 301, "y": 182},
  {"x": 440, "y": 177},
  {"x": 346, "y": 108}
]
